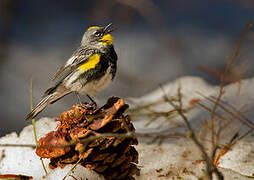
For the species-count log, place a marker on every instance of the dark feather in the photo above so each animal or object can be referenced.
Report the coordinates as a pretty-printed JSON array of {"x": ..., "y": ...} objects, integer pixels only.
[{"x": 49, "y": 91}]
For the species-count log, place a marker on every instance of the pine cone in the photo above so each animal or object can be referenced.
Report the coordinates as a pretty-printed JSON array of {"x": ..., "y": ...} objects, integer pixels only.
[{"x": 112, "y": 155}]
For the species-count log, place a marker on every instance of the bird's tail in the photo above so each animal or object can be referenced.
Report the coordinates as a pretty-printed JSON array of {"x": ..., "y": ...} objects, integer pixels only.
[{"x": 49, "y": 99}]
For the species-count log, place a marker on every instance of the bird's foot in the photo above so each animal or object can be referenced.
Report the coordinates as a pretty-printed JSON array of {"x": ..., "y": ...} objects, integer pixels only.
[
  {"x": 79, "y": 100},
  {"x": 93, "y": 103}
]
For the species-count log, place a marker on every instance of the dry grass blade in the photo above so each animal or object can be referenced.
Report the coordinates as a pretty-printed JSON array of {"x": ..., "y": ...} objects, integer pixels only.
[
  {"x": 210, "y": 110},
  {"x": 33, "y": 122},
  {"x": 237, "y": 115},
  {"x": 237, "y": 111}
]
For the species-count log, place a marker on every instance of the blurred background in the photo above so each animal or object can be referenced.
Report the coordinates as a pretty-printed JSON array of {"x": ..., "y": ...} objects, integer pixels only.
[{"x": 156, "y": 42}]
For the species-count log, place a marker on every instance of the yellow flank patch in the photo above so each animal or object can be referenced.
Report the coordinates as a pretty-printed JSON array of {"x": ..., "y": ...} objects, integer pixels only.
[
  {"x": 93, "y": 27},
  {"x": 107, "y": 39},
  {"x": 90, "y": 63}
]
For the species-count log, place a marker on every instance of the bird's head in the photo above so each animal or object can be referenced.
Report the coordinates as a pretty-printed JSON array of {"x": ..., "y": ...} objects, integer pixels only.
[{"x": 98, "y": 36}]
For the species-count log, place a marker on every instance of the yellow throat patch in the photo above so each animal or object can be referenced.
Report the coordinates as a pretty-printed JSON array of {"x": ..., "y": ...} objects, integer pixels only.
[
  {"x": 90, "y": 63},
  {"x": 106, "y": 40}
]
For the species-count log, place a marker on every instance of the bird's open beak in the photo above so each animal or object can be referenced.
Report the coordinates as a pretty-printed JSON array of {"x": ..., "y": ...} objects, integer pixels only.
[{"x": 108, "y": 29}]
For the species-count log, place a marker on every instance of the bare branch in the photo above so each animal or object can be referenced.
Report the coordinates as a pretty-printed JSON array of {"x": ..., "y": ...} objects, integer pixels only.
[
  {"x": 223, "y": 77},
  {"x": 210, "y": 168}
]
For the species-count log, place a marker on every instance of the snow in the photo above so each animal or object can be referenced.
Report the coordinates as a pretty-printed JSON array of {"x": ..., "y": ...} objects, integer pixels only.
[{"x": 176, "y": 157}]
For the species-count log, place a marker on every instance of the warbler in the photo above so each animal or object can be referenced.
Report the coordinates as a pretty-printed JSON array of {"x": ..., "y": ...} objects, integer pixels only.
[{"x": 89, "y": 70}]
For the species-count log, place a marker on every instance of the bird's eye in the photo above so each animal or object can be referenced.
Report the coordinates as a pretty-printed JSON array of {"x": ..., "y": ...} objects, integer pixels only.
[{"x": 97, "y": 34}]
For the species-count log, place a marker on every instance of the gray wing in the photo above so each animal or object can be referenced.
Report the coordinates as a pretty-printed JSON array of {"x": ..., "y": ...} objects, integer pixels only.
[{"x": 80, "y": 56}]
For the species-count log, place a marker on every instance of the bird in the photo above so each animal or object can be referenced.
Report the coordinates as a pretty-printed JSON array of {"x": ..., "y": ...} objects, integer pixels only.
[{"x": 90, "y": 69}]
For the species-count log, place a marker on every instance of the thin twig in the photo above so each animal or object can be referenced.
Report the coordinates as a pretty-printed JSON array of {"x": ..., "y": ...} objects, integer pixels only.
[
  {"x": 242, "y": 136},
  {"x": 141, "y": 107},
  {"x": 19, "y": 145},
  {"x": 72, "y": 168},
  {"x": 209, "y": 163},
  {"x": 161, "y": 134},
  {"x": 224, "y": 75}
]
